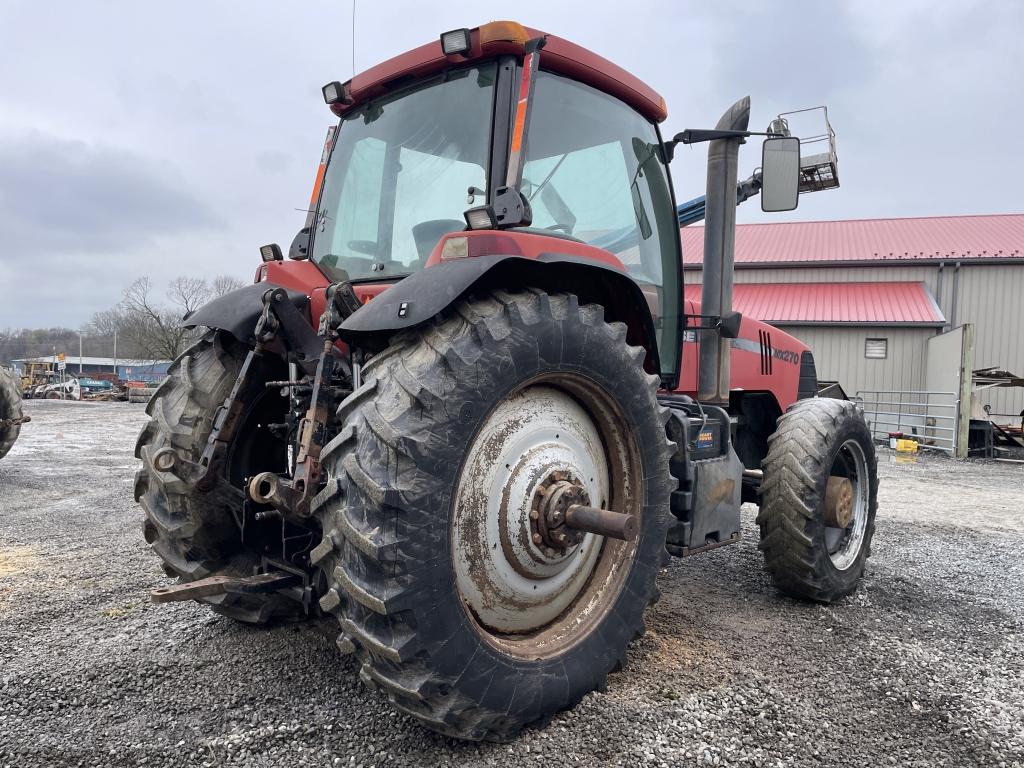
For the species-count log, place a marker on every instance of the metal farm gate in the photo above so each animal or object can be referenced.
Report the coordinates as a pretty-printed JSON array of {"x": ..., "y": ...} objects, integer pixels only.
[{"x": 931, "y": 418}]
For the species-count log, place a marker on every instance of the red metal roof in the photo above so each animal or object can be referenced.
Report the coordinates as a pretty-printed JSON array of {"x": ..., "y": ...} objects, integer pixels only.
[
  {"x": 834, "y": 303},
  {"x": 999, "y": 236}
]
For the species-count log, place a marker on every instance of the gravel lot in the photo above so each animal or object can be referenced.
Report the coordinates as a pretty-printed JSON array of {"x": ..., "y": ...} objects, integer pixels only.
[{"x": 924, "y": 666}]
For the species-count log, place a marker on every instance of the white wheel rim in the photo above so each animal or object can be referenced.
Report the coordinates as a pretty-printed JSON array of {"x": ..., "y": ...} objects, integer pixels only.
[
  {"x": 524, "y": 595},
  {"x": 844, "y": 544}
]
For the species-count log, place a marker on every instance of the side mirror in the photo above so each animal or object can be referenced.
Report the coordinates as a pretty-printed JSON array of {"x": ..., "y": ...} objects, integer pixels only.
[
  {"x": 299, "y": 249},
  {"x": 729, "y": 325},
  {"x": 780, "y": 174}
]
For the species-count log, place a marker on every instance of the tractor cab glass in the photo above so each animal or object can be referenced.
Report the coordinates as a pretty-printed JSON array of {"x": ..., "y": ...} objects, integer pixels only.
[
  {"x": 594, "y": 171},
  {"x": 398, "y": 175}
]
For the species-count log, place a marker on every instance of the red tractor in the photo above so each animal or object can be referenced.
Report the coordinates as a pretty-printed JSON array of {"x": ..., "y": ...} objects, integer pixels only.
[{"x": 472, "y": 416}]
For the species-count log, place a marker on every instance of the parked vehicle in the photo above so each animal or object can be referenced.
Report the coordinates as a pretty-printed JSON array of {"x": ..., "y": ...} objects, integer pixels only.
[
  {"x": 67, "y": 388},
  {"x": 473, "y": 416}
]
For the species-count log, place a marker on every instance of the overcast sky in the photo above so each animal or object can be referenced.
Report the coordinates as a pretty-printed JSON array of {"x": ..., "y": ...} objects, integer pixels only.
[{"x": 159, "y": 139}]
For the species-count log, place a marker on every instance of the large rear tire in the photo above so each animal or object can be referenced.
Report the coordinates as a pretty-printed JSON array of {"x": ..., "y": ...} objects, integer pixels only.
[
  {"x": 428, "y": 547},
  {"x": 807, "y": 549},
  {"x": 195, "y": 533},
  {"x": 10, "y": 408}
]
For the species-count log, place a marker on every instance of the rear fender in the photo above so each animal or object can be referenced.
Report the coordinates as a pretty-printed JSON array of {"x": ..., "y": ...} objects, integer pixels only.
[
  {"x": 237, "y": 311},
  {"x": 426, "y": 294}
]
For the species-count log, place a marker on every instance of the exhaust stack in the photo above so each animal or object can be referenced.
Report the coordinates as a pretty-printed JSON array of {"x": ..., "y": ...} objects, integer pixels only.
[{"x": 719, "y": 252}]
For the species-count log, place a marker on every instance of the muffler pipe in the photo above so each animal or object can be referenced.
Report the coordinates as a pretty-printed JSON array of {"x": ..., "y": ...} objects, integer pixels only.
[
  {"x": 603, "y": 522},
  {"x": 719, "y": 252}
]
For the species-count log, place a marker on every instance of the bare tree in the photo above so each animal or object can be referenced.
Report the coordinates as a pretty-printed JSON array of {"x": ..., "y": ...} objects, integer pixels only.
[
  {"x": 188, "y": 293},
  {"x": 109, "y": 334},
  {"x": 222, "y": 284},
  {"x": 155, "y": 328},
  {"x": 106, "y": 322}
]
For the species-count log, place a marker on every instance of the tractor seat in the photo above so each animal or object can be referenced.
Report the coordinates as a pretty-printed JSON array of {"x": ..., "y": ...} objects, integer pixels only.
[{"x": 427, "y": 233}]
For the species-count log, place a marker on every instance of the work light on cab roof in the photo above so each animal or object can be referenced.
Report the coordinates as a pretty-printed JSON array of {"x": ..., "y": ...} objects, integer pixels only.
[
  {"x": 334, "y": 93},
  {"x": 456, "y": 41}
]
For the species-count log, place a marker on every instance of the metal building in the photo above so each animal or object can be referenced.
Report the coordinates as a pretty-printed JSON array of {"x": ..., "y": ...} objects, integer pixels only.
[
  {"x": 127, "y": 370},
  {"x": 869, "y": 295}
]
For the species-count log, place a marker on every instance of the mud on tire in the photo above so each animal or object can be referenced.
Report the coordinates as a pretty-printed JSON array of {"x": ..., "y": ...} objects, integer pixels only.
[
  {"x": 388, "y": 512},
  {"x": 10, "y": 408},
  {"x": 816, "y": 438},
  {"x": 194, "y": 533}
]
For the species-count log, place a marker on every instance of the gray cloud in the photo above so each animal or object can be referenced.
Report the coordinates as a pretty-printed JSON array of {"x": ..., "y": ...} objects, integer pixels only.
[
  {"x": 59, "y": 195},
  {"x": 274, "y": 162},
  {"x": 183, "y": 136}
]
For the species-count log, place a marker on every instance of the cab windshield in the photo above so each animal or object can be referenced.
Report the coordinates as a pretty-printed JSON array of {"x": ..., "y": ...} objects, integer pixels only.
[{"x": 398, "y": 176}]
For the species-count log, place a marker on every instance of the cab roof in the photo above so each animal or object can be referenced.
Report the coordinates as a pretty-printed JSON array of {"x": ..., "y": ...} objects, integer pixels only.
[{"x": 503, "y": 37}]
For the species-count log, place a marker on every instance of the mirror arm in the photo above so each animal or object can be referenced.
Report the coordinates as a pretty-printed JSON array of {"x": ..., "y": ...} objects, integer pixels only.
[{"x": 700, "y": 135}]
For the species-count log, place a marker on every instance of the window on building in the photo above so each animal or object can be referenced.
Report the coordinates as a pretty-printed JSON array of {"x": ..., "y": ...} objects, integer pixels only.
[{"x": 876, "y": 349}]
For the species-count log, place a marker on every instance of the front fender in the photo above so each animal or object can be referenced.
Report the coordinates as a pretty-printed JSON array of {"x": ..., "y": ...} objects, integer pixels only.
[
  {"x": 237, "y": 311},
  {"x": 424, "y": 295}
]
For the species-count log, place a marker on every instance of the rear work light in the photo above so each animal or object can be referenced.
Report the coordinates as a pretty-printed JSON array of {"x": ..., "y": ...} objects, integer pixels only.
[
  {"x": 334, "y": 93},
  {"x": 481, "y": 217},
  {"x": 271, "y": 252},
  {"x": 456, "y": 41}
]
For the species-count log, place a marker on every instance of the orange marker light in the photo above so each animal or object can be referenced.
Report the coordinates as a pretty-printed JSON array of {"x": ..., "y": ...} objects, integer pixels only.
[{"x": 503, "y": 32}]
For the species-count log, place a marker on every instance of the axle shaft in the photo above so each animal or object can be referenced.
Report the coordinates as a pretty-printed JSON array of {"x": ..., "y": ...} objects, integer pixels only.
[{"x": 604, "y": 522}]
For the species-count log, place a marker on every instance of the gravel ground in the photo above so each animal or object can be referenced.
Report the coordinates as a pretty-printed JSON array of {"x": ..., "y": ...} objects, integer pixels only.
[{"x": 924, "y": 666}]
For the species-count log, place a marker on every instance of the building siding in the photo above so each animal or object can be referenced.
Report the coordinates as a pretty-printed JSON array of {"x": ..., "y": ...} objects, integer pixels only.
[
  {"x": 990, "y": 296},
  {"x": 839, "y": 356}
]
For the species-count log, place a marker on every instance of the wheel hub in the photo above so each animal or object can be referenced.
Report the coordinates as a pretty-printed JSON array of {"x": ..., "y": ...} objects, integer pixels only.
[
  {"x": 551, "y": 502},
  {"x": 838, "y": 502},
  {"x": 518, "y": 566}
]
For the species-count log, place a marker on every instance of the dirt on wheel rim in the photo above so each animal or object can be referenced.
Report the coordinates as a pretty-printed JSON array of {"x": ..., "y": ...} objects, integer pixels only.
[{"x": 525, "y": 597}]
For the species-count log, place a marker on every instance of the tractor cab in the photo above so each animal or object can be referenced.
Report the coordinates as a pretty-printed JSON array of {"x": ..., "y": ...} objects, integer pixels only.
[
  {"x": 494, "y": 142},
  {"x": 505, "y": 129}
]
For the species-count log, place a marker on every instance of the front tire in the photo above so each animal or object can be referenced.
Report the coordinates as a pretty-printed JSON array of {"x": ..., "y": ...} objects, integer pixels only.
[
  {"x": 427, "y": 544},
  {"x": 816, "y": 541}
]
